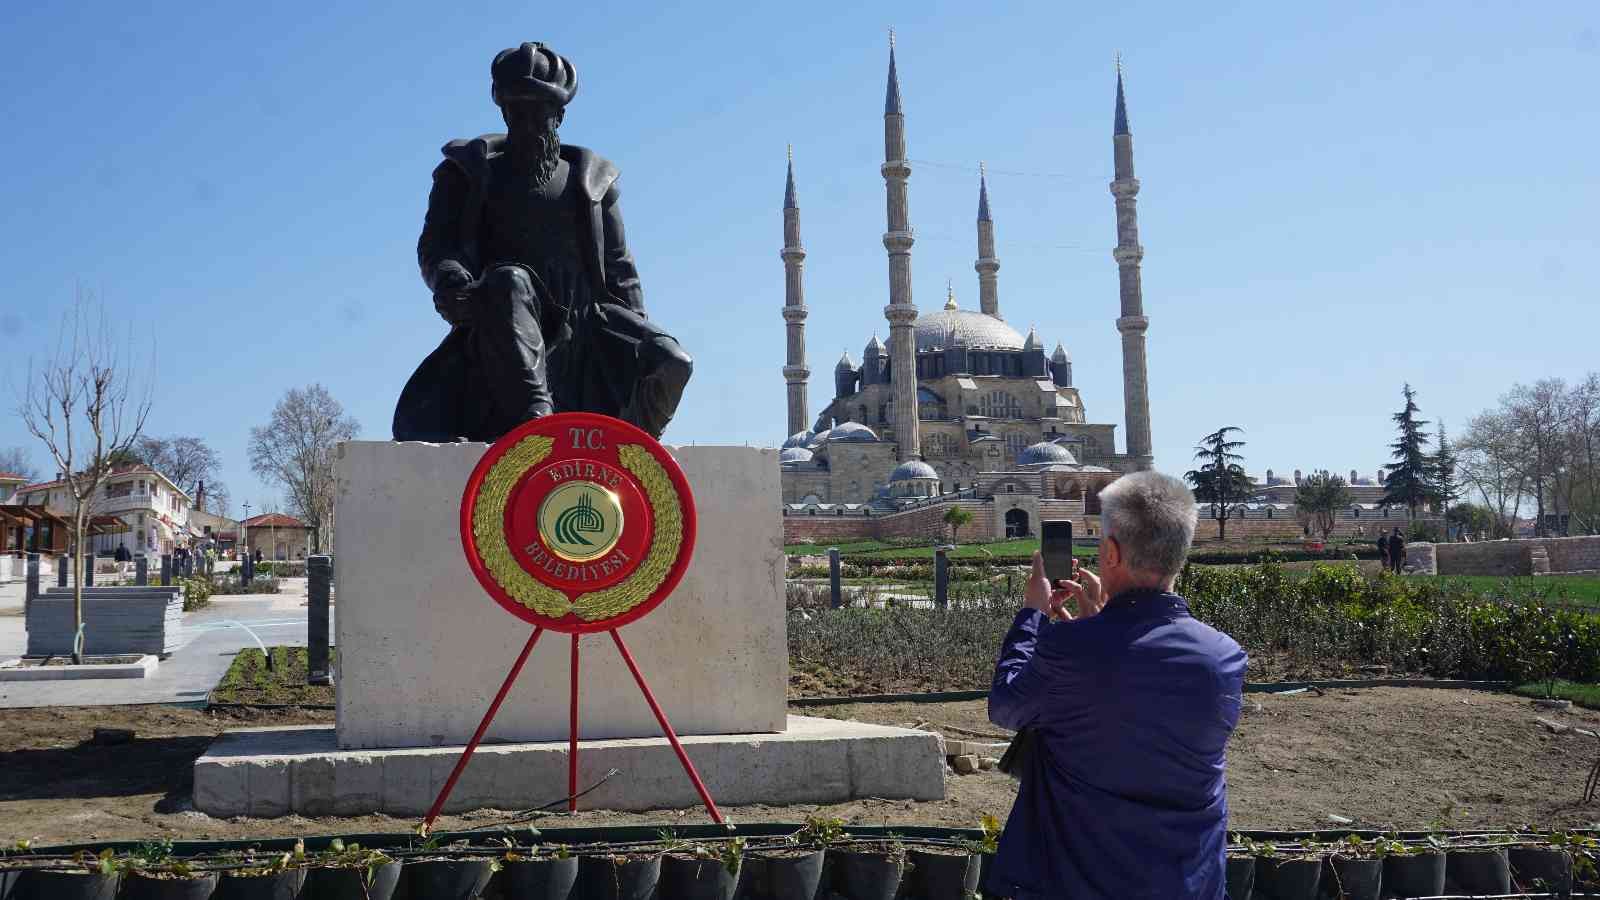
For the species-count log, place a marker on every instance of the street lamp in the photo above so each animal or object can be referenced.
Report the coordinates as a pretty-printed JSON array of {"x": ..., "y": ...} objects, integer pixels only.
[{"x": 244, "y": 542}]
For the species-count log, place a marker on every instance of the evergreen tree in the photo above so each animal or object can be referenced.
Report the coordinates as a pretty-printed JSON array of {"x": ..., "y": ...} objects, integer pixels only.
[
  {"x": 1409, "y": 481},
  {"x": 1221, "y": 481},
  {"x": 1442, "y": 472}
]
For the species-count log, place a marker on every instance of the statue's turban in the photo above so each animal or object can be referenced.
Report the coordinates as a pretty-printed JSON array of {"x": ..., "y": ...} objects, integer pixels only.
[{"x": 533, "y": 72}]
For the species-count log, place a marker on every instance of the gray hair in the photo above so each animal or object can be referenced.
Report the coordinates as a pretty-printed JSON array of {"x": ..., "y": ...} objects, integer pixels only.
[{"x": 1152, "y": 516}]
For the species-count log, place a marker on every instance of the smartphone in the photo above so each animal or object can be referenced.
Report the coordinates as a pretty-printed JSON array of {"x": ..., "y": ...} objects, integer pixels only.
[{"x": 1055, "y": 546}]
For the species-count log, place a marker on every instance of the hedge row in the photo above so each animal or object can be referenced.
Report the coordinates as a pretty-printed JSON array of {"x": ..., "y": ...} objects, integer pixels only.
[{"x": 1294, "y": 625}]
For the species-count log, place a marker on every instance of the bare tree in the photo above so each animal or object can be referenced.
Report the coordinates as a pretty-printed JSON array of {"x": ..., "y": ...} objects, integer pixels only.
[
  {"x": 1584, "y": 493},
  {"x": 1489, "y": 458},
  {"x": 295, "y": 450},
  {"x": 1540, "y": 415},
  {"x": 186, "y": 461},
  {"x": 217, "y": 499},
  {"x": 17, "y": 461},
  {"x": 82, "y": 404}
]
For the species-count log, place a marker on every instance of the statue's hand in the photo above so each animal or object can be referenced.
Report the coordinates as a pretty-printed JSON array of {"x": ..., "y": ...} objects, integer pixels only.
[{"x": 453, "y": 306}]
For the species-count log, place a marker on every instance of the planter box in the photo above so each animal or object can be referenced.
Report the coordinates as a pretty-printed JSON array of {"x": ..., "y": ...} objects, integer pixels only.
[
  {"x": 132, "y": 666},
  {"x": 117, "y": 620}
]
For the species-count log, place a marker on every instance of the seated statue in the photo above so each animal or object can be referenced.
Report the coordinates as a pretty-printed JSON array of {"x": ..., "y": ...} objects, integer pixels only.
[{"x": 524, "y": 251}]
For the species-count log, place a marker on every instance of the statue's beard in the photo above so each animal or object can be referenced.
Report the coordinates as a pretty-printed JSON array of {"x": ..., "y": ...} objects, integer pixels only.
[{"x": 538, "y": 151}]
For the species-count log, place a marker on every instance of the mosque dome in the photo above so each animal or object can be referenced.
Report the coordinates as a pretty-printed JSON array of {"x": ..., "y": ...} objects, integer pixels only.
[
  {"x": 818, "y": 439},
  {"x": 799, "y": 439},
  {"x": 912, "y": 470},
  {"x": 849, "y": 431},
  {"x": 794, "y": 455},
  {"x": 952, "y": 327},
  {"x": 1045, "y": 452}
]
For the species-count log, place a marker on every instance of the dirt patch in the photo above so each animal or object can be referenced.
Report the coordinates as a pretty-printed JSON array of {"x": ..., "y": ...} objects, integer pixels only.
[{"x": 1386, "y": 757}]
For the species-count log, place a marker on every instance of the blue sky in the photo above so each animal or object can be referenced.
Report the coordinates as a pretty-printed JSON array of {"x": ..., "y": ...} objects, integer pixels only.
[{"x": 1338, "y": 198}]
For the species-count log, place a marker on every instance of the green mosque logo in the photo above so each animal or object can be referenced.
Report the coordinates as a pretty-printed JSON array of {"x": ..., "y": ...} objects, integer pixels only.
[
  {"x": 575, "y": 521},
  {"x": 580, "y": 521}
]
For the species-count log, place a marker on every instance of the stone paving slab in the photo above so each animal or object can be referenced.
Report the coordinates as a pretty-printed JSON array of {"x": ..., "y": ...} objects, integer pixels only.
[{"x": 278, "y": 771}]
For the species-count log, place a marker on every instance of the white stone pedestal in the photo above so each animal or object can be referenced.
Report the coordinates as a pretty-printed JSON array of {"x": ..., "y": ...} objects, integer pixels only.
[{"x": 422, "y": 647}]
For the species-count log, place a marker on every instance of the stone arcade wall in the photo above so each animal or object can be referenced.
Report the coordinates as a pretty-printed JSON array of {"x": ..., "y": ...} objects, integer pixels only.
[{"x": 1567, "y": 555}]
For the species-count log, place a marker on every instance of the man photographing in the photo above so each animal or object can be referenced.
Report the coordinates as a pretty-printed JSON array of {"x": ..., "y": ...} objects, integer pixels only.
[{"x": 1131, "y": 701}]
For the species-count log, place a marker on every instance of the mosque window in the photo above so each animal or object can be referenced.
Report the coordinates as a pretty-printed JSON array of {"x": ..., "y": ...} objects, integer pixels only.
[
  {"x": 1016, "y": 442},
  {"x": 1000, "y": 405},
  {"x": 883, "y": 413},
  {"x": 861, "y": 415}
]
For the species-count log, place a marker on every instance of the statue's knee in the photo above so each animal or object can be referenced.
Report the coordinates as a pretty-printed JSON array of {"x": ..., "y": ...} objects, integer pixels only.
[
  {"x": 670, "y": 362},
  {"x": 508, "y": 283}
]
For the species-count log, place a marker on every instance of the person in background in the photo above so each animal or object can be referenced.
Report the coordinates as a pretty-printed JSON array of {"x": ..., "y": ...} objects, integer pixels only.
[
  {"x": 1130, "y": 701},
  {"x": 1383, "y": 550},
  {"x": 1397, "y": 550}
]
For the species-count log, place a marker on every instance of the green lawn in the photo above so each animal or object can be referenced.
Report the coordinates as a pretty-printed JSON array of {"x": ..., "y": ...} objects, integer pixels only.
[
  {"x": 1581, "y": 694},
  {"x": 881, "y": 551},
  {"x": 1575, "y": 588}
]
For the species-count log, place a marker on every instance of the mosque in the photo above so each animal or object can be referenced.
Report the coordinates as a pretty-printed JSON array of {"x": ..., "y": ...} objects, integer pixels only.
[{"x": 990, "y": 412}]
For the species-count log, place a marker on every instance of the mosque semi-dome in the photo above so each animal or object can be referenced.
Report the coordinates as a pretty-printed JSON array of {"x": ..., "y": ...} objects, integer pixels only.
[
  {"x": 913, "y": 470},
  {"x": 850, "y": 431},
  {"x": 799, "y": 439},
  {"x": 1045, "y": 452},
  {"x": 950, "y": 327}
]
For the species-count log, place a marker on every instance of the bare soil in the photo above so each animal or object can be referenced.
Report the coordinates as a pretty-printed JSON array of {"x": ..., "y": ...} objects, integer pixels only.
[{"x": 1404, "y": 758}]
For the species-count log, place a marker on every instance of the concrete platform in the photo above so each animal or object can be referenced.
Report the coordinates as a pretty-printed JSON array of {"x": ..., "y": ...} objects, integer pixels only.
[{"x": 277, "y": 771}]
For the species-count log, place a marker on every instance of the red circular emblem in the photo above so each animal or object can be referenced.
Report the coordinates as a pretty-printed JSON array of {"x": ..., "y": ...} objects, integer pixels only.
[{"x": 577, "y": 522}]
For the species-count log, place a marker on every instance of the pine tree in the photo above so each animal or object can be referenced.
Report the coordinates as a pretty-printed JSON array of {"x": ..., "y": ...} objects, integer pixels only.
[
  {"x": 1221, "y": 481},
  {"x": 1409, "y": 481},
  {"x": 1442, "y": 472}
]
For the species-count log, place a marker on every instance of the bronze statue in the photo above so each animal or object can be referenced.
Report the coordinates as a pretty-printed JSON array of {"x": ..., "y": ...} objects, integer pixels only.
[{"x": 524, "y": 251}]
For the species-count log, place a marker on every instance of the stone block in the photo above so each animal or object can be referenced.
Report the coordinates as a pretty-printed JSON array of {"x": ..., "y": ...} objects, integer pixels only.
[
  {"x": 276, "y": 771},
  {"x": 423, "y": 648},
  {"x": 221, "y": 787}
]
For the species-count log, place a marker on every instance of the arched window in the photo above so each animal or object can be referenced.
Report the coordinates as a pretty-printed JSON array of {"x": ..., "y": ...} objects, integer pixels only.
[
  {"x": 1016, "y": 442},
  {"x": 1000, "y": 405},
  {"x": 861, "y": 414}
]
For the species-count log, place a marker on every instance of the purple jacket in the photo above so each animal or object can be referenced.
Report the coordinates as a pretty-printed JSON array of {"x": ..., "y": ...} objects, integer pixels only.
[{"x": 1126, "y": 795}]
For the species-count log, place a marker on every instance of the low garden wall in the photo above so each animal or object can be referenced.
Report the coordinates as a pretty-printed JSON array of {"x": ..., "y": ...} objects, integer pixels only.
[{"x": 1507, "y": 558}]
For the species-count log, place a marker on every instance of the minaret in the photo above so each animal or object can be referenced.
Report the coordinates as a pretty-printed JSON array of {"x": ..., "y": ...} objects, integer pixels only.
[
  {"x": 987, "y": 265},
  {"x": 795, "y": 372},
  {"x": 1132, "y": 323},
  {"x": 901, "y": 312}
]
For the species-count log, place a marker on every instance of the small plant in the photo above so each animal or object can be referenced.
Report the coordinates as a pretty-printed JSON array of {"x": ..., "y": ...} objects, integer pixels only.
[
  {"x": 353, "y": 856},
  {"x": 820, "y": 832},
  {"x": 989, "y": 844}
]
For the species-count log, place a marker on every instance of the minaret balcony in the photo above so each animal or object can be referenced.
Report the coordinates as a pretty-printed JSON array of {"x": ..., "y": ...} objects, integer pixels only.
[
  {"x": 1128, "y": 256},
  {"x": 1133, "y": 324},
  {"x": 900, "y": 314},
  {"x": 795, "y": 314},
  {"x": 1125, "y": 188},
  {"x": 896, "y": 168},
  {"x": 796, "y": 373},
  {"x": 987, "y": 265},
  {"x": 792, "y": 253},
  {"x": 899, "y": 241}
]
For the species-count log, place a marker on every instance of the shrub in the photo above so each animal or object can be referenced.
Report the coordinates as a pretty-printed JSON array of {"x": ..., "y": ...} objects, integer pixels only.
[
  {"x": 1325, "y": 623},
  {"x": 196, "y": 592}
]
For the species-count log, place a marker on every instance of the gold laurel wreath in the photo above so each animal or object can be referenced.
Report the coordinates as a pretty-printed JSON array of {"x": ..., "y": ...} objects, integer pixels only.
[
  {"x": 488, "y": 528},
  {"x": 668, "y": 513}
]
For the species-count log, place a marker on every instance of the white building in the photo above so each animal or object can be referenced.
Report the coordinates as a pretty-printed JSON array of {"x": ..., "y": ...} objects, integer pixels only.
[{"x": 154, "y": 510}]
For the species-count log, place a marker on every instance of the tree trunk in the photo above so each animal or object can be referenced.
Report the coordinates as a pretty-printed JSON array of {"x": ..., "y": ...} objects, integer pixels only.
[{"x": 77, "y": 585}]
